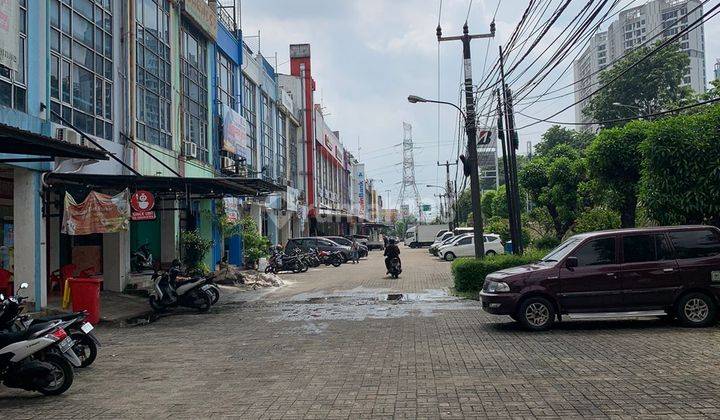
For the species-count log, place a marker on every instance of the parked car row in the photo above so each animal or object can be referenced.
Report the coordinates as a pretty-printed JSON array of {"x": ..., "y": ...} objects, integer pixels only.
[
  {"x": 664, "y": 271},
  {"x": 449, "y": 246}
]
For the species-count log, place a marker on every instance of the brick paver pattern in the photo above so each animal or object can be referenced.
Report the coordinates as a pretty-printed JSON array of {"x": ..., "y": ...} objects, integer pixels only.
[{"x": 256, "y": 359}]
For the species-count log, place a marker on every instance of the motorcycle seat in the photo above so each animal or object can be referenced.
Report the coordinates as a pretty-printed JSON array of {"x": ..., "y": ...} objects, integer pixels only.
[
  {"x": 7, "y": 338},
  {"x": 63, "y": 317}
]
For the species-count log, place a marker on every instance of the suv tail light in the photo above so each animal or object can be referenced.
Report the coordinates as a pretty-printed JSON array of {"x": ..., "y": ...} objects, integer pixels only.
[{"x": 60, "y": 334}]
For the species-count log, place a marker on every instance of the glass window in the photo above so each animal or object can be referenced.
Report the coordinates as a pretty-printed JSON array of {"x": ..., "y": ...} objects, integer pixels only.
[
  {"x": 12, "y": 83},
  {"x": 152, "y": 84},
  {"x": 561, "y": 250},
  {"x": 596, "y": 252},
  {"x": 646, "y": 248},
  {"x": 81, "y": 73},
  {"x": 249, "y": 108},
  {"x": 194, "y": 80},
  {"x": 281, "y": 157},
  {"x": 465, "y": 241},
  {"x": 695, "y": 243},
  {"x": 225, "y": 80}
]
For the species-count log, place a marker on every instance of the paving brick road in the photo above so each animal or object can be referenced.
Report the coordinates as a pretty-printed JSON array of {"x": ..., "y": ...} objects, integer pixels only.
[{"x": 330, "y": 346}]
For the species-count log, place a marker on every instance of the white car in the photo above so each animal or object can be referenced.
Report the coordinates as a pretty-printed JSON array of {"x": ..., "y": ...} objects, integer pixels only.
[
  {"x": 439, "y": 242},
  {"x": 465, "y": 247}
]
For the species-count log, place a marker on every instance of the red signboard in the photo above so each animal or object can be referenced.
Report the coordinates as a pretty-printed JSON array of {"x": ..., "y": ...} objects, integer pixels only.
[{"x": 142, "y": 204}]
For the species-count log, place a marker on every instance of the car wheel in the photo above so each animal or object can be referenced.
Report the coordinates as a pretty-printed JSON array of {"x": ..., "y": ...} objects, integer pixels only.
[
  {"x": 449, "y": 256},
  {"x": 696, "y": 310},
  {"x": 536, "y": 314},
  {"x": 491, "y": 253}
]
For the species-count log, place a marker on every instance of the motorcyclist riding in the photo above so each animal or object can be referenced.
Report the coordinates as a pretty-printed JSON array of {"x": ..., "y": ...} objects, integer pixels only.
[{"x": 391, "y": 251}]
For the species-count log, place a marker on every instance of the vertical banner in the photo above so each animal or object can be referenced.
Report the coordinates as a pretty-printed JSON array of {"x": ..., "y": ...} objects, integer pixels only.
[
  {"x": 360, "y": 168},
  {"x": 234, "y": 133},
  {"x": 9, "y": 40}
]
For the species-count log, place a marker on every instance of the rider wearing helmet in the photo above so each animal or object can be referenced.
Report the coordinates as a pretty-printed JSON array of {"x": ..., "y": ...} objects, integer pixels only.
[{"x": 391, "y": 251}]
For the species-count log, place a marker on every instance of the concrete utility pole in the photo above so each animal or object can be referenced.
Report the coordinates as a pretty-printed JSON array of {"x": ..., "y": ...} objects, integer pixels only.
[
  {"x": 449, "y": 188},
  {"x": 471, "y": 130}
]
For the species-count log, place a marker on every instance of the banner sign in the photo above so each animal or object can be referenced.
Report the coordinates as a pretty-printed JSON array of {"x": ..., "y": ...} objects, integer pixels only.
[
  {"x": 360, "y": 168},
  {"x": 235, "y": 128},
  {"x": 99, "y": 213},
  {"x": 292, "y": 199},
  {"x": 142, "y": 204},
  {"x": 232, "y": 208},
  {"x": 9, "y": 41},
  {"x": 203, "y": 15}
]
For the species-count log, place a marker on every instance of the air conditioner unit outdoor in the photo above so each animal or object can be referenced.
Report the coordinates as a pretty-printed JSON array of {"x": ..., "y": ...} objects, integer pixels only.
[
  {"x": 227, "y": 164},
  {"x": 68, "y": 135},
  {"x": 189, "y": 149}
]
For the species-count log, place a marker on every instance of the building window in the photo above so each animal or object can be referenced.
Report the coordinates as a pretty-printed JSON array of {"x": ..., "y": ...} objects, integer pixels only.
[
  {"x": 81, "y": 70},
  {"x": 13, "y": 85},
  {"x": 268, "y": 136},
  {"x": 281, "y": 157},
  {"x": 194, "y": 80},
  {"x": 293, "y": 156},
  {"x": 225, "y": 80},
  {"x": 153, "y": 72},
  {"x": 249, "y": 110}
]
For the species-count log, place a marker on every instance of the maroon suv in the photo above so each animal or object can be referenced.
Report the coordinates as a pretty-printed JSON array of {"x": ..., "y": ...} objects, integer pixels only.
[{"x": 664, "y": 271}]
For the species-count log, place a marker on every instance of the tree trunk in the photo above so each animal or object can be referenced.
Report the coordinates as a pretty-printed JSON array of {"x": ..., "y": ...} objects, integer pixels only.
[
  {"x": 557, "y": 224},
  {"x": 628, "y": 211}
]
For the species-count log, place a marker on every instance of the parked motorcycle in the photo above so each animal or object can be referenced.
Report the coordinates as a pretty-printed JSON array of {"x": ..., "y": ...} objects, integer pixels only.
[
  {"x": 395, "y": 267},
  {"x": 86, "y": 343},
  {"x": 336, "y": 259},
  {"x": 39, "y": 358},
  {"x": 280, "y": 262},
  {"x": 142, "y": 259},
  {"x": 168, "y": 293},
  {"x": 313, "y": 259}
]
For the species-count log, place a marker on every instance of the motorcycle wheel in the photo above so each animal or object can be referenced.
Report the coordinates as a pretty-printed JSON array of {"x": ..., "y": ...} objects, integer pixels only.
[
  {"x": 297, "y": 267},
  {"x": 203, "y": 301},
  {"x": 268, "y": 269},
  {"x": 304, "y": 268},
  {"x": 215, "y": 293},
  {"x": 85, "y": 348},
  {"x": 62, "y": 375},
  {"x": 336, "y": 263},
  {"x": 155, "y": 305}
]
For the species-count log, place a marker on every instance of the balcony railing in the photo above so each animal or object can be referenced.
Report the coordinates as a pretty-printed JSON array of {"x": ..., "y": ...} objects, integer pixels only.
[{"x": 226, "y": 17}]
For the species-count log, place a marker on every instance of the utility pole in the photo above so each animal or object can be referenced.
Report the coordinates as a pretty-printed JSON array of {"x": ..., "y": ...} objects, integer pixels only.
[
  {"x": 449, "y": 188},
  {"x": 471, "y": 130},
  {"x": 512, "y": 145},
  {"x": 506, "y": 166}
]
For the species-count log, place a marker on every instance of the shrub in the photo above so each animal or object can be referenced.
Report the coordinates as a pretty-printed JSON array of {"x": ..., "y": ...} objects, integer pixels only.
[
  {"x": 546, "y": 242},
  {"x": 255, "y": 246},
  {"x": 469, "y": 273},
  {"x": 597, "y": 218},
  {"x": 195, "y": 247}
]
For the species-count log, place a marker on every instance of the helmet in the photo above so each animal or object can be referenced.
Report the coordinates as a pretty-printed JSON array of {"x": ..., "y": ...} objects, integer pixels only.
[{"x": 391, "y": 241}]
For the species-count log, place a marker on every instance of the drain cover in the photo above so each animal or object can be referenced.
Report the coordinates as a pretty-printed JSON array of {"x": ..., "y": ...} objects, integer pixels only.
[{"x": 394, "y": 296}]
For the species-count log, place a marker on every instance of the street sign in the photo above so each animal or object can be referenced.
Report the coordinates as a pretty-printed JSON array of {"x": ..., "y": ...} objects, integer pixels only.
[{"x": 426, "y": 207}]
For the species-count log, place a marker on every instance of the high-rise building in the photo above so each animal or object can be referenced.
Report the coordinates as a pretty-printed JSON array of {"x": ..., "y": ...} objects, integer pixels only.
[
  {"x": 633, "y": 28},
  {"x": 717, "y": 69}
]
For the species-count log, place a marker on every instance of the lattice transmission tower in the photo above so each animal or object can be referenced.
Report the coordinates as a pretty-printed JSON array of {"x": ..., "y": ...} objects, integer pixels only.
[{"x": 409, "y": 188}]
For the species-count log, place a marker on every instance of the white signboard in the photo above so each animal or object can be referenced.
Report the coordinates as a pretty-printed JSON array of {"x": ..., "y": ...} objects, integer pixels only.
[
  {"x": 235, "y": 128},
  {"x": 9, "y": 41},
  {"x": 360, "y": 177},
  {"x": 292, "y": 199}
]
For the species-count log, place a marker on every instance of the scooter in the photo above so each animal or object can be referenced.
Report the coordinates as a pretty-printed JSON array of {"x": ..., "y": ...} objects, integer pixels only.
[
  {"x": 280, "y": 262},
  {"x": 335, "y": 259},
  {"x": 168, "y": 293},
  {"x": 395, "y": 267},
  {"x": 142, "y": 259},
  {"x": 86, "y": 343},
  {"x": 38, "y": 359}
]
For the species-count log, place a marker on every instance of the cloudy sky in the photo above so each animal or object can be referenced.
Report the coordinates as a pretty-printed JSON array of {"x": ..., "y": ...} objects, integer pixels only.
[{"x": 369, "y": 55}]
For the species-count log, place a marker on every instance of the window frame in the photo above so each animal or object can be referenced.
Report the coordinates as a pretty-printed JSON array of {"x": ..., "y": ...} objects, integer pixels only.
[
  {"x": 679, "y": 254},
  {"x": 194, "y": 102},
  {"x": 249, "y": 111},
  {"x": 225, "y": 94},
  {"x": 574, "y": 252},
  {"x": 17, "y": 80}
]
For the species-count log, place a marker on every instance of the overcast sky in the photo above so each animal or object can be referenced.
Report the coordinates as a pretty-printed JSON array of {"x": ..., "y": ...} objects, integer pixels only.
[{"x": 369, "y": 55}]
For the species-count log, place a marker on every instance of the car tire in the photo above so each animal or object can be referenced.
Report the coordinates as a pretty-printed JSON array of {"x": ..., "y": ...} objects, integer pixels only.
[
  {"x": 536, "y": 314},
  {"x": 449, "y": 256},
  {"x": 696, "y": 310},
  {"x": 490, "y": 253}
]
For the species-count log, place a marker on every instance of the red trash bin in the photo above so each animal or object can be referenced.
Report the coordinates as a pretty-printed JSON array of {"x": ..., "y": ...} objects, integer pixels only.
[{"x": 85, "y": 296}]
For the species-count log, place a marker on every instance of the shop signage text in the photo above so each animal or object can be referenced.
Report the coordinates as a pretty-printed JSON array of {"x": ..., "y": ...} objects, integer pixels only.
[
  {"x": 203, "y": 15},
  {"x": 142, "y": 204},
  {"x": 235, "y": 130}
]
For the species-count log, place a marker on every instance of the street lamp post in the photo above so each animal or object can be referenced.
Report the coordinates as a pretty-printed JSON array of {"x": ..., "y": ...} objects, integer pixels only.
[{"x": 472, "y": 161}]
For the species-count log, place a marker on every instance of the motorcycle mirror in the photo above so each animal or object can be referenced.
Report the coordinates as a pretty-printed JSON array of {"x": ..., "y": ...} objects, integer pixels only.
[
  {"x": 24, "y": 285},
  {"x": 2, "y": 297}
]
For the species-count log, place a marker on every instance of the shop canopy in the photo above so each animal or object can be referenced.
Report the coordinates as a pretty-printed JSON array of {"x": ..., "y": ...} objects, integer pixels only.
[
  {"x": 41, "y": 148},
  {"x": 168, "y": 186}
]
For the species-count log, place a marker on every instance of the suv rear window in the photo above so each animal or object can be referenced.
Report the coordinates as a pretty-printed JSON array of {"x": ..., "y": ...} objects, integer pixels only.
[
  {"x": 596, "y": 252},
  {"x": 695, "y": 243}
]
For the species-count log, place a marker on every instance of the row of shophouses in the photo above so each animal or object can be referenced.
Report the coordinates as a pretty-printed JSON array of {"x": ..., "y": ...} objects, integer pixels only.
[{"x": 161, "y": 96}]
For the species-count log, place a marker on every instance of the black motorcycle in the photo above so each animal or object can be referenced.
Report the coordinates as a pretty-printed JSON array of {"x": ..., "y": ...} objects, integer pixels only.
[
  {"x": 142, "y": 259},
  {"x": 86, "y": 343},
  {"x": 280, "y": 262},
  {"x": 395, "y": 267}
]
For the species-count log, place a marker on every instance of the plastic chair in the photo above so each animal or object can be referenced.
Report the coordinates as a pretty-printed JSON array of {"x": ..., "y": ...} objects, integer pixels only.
[
  {"x": 5, "y": 283},
  {"x": 59, "y": 276}
]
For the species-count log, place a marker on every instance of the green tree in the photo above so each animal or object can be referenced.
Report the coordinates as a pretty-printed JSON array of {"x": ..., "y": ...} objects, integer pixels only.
[
  {"x": 255, "y": 246},
  {"x": 553, "y": 181},
  {"x": 557, "y": 135},
  {"x": 681, "y": 169},
  {"x": 488, "y": 199},
  {"x": 653, "y": 85},
  {"x": 597, "y": 218},
  {"x": 614, "y": 161}
]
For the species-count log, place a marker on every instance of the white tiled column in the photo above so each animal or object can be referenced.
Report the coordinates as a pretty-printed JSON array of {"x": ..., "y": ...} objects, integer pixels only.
[{"x": 30, "y": 243}]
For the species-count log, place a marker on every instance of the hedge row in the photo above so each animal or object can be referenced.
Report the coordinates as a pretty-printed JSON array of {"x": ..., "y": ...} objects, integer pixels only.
[{"x": 469, "y": 273}]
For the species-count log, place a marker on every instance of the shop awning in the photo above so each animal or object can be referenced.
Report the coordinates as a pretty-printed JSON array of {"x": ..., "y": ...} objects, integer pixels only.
[
  {"x": 16, "y": 141},
  {"x": 164, "y": 185}
]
